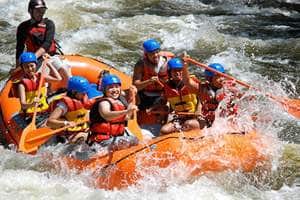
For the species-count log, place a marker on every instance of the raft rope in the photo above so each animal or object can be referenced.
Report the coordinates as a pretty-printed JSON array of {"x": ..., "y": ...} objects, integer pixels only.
[{"x": 149, "y": 146}]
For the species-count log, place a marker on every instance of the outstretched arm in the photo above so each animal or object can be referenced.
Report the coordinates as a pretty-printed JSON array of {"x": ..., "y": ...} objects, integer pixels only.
[
  {"x": 188, "y": 81},
  {"x": 53, "y": 75}
]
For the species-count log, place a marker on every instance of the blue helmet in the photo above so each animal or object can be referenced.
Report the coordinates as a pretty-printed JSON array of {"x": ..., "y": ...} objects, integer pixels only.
[
  {"x": 109, "y": 80},
  {"x": 28, "y": 57},
  {"x": 216, "y": 66},
  {"x": 78, "y": 84},
  {"x": 151, "y": 45},
  {"x": 175, "y": 63}
]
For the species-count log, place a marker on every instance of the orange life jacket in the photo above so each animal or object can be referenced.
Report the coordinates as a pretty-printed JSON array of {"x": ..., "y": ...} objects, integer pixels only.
[
  {"x": 31, "y": 90},
  {"x": 149, "y": 71},
  {"x": 101, "y": 128},
  {"x": 210, "y": 100},
  {"x": 76, "y": 112},
  {"x": 230, "y": 93},
  {"x": 181, "y": 100},
  {"x": 35, "y": 38}
]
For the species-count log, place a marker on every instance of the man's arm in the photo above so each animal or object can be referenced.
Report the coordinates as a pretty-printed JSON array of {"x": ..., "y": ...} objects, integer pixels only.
[
  {"x": 138, "y": 75},
  {"x": 20, "y": 38},
  {"x": 49, "y": 37}
]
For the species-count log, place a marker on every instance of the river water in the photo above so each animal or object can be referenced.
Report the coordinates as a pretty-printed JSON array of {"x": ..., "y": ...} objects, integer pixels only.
[{"x": 258, "y": 41}]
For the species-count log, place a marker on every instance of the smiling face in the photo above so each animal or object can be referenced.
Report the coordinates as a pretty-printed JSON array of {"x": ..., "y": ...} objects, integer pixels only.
[
  {"x": 29, "y": 69},
  {"x": 153, "y": 57},
  {"x": 113, "y": 91}
]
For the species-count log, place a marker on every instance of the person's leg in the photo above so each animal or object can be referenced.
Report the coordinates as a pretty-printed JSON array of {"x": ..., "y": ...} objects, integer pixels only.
[
  {"x": 168, "y": 128},
  {"x": 190, "y": 124}
]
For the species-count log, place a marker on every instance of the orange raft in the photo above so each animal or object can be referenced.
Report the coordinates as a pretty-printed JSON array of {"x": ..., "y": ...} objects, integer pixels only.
[{"x": 195, "y": 152}]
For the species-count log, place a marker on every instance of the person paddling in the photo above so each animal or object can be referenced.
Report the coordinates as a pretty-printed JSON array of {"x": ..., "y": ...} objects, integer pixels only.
[
  {"x": 37, "y": 35},
  {"x": 73, "y": 108},
  {"x": 213, "y": 91},
  {"x": 27, "y": 87},
  {"x": 148, "y": 74},
  {"x": 109, "y": 115},
  {"x": 181, "y": 98}
]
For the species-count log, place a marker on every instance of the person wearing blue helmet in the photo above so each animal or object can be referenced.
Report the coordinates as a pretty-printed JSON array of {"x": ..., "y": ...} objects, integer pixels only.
[
  {"x": 149, "y": 73},
  {"x": 74, "y": 108},
  {"x": 109, "y": 115},
  {"x": 213, "y": 91},
  {"x": 36, "y": 35},
  {"x": 181, "y": 99},
  {"x": 27, "y": 87}
]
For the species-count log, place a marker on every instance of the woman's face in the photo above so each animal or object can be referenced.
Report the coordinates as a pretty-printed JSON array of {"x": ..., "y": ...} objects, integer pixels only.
[
  {"x": 113, "y": 91},
  {"x": 29, "y": 69}
]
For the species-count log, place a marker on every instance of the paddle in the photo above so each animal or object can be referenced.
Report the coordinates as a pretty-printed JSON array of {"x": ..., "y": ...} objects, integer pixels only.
[
  {"x": 32, "y": 126},
  {"x": 176, "y": 113},
  {"x": 36, "y": 138},
  {"x": 132, "y": 123},
  {"x": 292, "y": 106}
]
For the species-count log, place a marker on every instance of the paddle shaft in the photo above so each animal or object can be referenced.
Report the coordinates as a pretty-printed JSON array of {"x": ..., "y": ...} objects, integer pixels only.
[
  {"x": 176, "y": 113},
  {"x": 132, "y": 123},
  {"x": 38, "y": 93},
  {"x": 232, "y": 78},
  {"x": 54, "y": 132}
]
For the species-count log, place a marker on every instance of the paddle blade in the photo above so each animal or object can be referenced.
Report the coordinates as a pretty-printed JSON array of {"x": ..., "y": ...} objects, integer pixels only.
[
  {"x": 135, "y": 128},
  {"x": 31, "y": 140},
  {"x": 292, "y": 106}
]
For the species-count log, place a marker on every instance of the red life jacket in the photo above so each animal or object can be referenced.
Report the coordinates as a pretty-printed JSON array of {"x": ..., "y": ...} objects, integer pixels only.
[
  {"x": 31, "y": 90},
  {"x": 102, "y": 129},
  {"x": 229, "y": 92},
  {"x": 35, "y": 38},
  {"x": 76, "y": 112},
  {"x": 31, "y": 85},
  {"x": 210, "y": 100},
  {"x": 149, "y": 71}
]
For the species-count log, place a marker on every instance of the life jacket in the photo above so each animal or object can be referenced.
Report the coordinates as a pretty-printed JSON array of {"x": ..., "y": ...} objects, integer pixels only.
[
  {"x": 31, "y": 90},
  {"x": 36, "y": 37},
  {"x": 101, "y": 128},
  {"x": 230, "y": 93},
  {"x": 149, "y": 71},
  {"x": 211, "y": 98},
  {"x": 181, "y": 100},
  {"x": 76, "y": 113}
]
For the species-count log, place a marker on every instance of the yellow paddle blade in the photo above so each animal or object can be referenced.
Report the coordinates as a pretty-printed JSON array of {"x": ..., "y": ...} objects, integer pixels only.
[
  {"x": 134, "y": 127},
  {"x": 41, "y": 135}
]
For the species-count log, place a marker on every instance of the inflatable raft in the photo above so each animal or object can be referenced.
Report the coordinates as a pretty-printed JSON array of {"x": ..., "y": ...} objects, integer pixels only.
[{"x": 195, "y": 151}]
